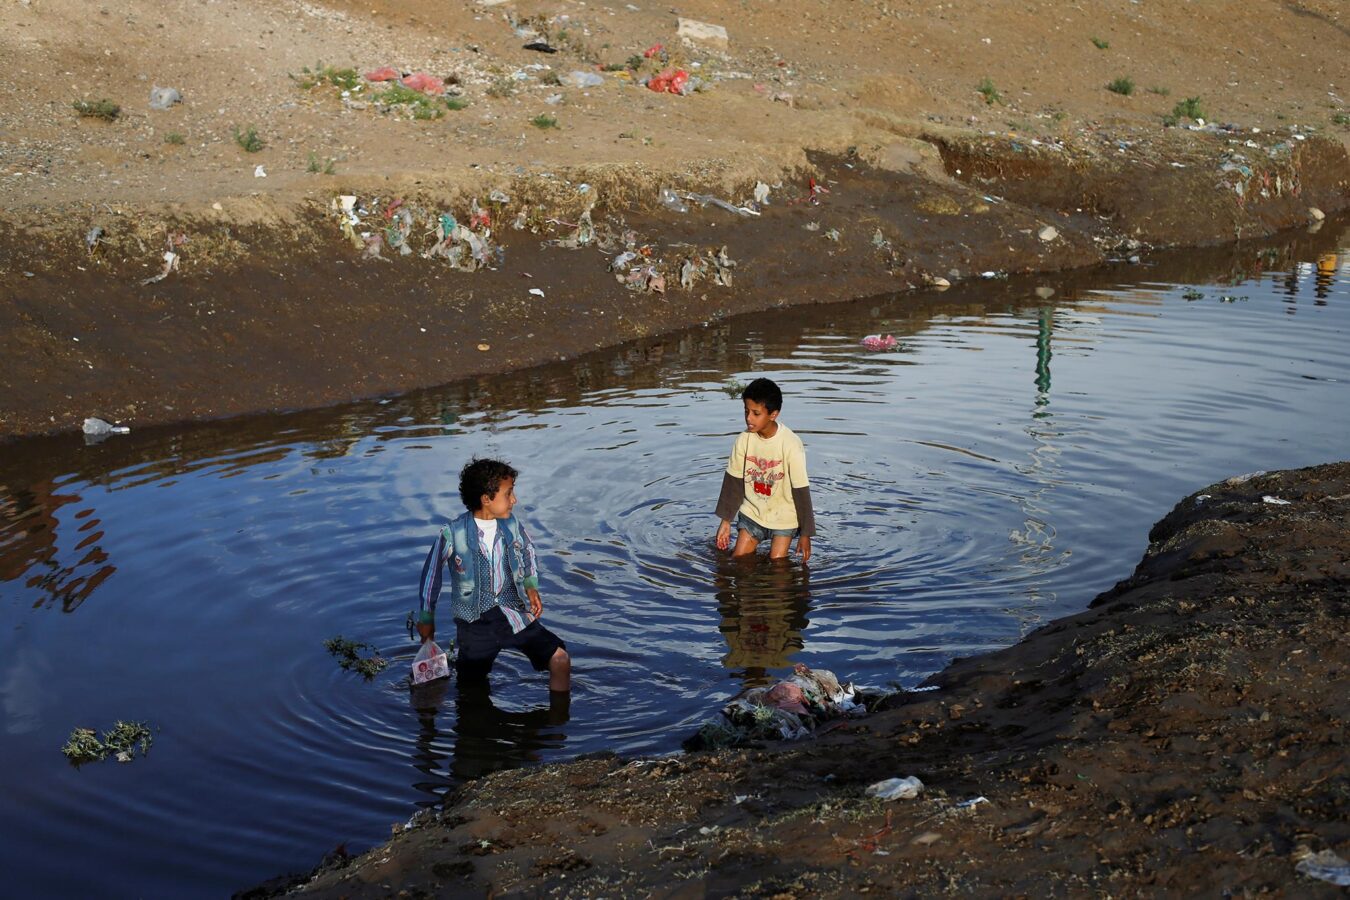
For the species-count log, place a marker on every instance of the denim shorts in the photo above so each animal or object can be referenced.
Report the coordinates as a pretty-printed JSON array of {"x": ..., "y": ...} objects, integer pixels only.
[{"x": 759, "y": 532}]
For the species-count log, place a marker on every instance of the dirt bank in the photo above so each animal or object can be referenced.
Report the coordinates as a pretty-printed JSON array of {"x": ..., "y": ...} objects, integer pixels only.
[
  {"x": 1184, "y": 735},
  {"x": 900, "y": 145}
]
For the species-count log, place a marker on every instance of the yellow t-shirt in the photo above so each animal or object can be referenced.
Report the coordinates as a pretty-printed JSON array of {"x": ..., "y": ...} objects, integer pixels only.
[{"x": 770, "y": 469}]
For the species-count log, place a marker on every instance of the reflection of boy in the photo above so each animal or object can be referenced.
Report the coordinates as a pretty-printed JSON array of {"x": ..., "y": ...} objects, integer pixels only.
[
  {"x": 765, "y": 481},
  {"x": 492, "y": 570}
]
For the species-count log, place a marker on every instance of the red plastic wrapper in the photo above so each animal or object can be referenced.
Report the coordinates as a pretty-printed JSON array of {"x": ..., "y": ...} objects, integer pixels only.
[
  {"x": 427, "y": 84},
  {"x": 384, "y": 73},
  {"x": 653, "y": 50},
  {"x": 669, "y": 81}
]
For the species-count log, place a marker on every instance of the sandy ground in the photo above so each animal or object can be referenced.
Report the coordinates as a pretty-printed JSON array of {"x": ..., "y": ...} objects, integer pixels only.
[
  {"x": 928, "y": 176},
  {"x": 1185, "y": 736}
]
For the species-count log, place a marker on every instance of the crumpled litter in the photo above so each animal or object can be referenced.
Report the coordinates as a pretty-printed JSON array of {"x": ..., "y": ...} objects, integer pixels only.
[
  {"x": 672, "y": 81},
  {"x": 699, "y": 265},
  {"x": 582, "y": 235},
  {"x": 710, "y": 200},
  {"x": 164, "y": 97},
  {"x": 906, "y": 788},
  {"x": 1274, "y": 501},
  {"x": 424, "y": 83},
  {"x": 584, "y": 79},
  {"x": 1325, "y": 866},
  {"x": 776, "y": 712},
  {"x": 170, "y": 265},
  {"x": 880, "y": 342},
  {"x": 383, "y": 73},
  {"x": 672, "y": 201}
]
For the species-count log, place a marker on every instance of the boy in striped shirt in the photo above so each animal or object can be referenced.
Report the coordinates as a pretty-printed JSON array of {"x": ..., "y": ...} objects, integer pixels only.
[{"x": 493, "y": 572}]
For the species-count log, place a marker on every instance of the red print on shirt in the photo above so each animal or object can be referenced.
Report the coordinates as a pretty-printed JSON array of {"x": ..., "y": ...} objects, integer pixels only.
[{"x": 763, "y": 473}]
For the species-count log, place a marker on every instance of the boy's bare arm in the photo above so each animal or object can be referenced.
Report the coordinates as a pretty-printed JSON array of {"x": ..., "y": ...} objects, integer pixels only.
[{"x": 536, "y": 604}]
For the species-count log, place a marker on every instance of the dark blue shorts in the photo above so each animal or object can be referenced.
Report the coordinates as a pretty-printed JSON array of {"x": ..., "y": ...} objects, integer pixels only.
[{"x": 478, "y": 643}]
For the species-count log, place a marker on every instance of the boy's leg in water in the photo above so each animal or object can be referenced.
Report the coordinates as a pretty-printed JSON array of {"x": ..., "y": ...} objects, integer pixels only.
[
  {"x": 779, "y": 545},
  {"x": 745, "y": 544},
  {"x": 560, "y": 671}
]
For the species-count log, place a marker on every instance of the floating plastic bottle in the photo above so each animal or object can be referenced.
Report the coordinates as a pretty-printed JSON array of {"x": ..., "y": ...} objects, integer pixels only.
[{"x": 97, "y": 427}]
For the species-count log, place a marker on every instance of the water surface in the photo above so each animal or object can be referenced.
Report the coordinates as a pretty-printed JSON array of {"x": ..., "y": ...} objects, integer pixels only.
[{"x": 999, "y": 468}]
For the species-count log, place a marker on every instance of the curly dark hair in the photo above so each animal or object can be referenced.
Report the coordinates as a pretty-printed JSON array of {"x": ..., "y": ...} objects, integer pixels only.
[
  {"x": 764, "y": 392},
  {"x": 482, "y": 476}
]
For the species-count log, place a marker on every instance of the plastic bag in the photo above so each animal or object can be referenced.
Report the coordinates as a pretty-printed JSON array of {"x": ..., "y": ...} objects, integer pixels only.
[{"x": 429, "y": 664}]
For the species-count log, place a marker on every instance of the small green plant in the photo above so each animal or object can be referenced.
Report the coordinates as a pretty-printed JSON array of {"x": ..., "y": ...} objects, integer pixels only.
[
  {"x": 1100, "y": 44},
  {"x": 1340, "y": 118},
  {"x": 173, "y": 137},
  {"x": 348, "y": 655},
  {"x": 121, "y": 740},
  {"x": 327, "y": 167},
  {"x": 614, "y": 67},
  {"x": 1159, "y": 90},
  {"x": 733, "y": 387},
  {"x": 991, "y": 94},
  {"x": 248, "y": 139},
  {"x": 634, "y": 62},
  {"x": 97, "y": 109},
  {"x": 543, "y": 120},
  {"x": 1188, "y": 109},
  {"x": 551, "y": 78},
  {"x": 84, "y": 746},
  {"x": 501, "y": 87},
  {"x": 342, "y": 79},
  {"x": 456, "y": 103},
  {"x": 1192, "y": 294},
  {"x": 422, "y": 106},
  {"x": 1123, "y": 86}
]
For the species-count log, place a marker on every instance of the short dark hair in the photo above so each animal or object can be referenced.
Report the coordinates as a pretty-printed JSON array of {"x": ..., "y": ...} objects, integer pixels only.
[
  {"x": 764, "y": 392},
  {"x": 482, "y": 476}
]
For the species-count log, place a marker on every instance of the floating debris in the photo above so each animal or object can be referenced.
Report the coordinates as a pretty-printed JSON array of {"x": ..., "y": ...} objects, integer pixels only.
[
  {"x": 120, "y": 741},
  {"x": 348, "y": 655}
]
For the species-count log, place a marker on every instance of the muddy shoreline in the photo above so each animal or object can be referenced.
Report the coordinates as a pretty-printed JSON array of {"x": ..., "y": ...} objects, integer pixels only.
[
  {"x": 285, "y": 314},
  {"x": 1185, "y": 734}
]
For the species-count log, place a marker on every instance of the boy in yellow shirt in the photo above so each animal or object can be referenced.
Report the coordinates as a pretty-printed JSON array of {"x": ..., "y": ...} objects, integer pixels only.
[{"x": 765, "y": 485}]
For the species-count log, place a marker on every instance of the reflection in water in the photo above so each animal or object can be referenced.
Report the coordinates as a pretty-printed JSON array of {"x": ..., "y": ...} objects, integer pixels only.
[
  {"x": 489, "y": 739},
  {"x": 29, "y": 526},
  {"x": 764, "y": 605},
  {"x": 426, "y": 701}
]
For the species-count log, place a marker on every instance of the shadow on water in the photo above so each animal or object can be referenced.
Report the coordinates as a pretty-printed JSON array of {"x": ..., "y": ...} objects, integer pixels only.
[{"x": 1000, "y": 466}]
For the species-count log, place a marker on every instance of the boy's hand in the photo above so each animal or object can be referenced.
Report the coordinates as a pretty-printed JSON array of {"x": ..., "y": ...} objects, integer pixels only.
[
  {"x": 804, "y": 548},
  {"x": 536, "y": 605},
  {"x": 724, "y": 535},
  {"x": 426, "y": 630}
]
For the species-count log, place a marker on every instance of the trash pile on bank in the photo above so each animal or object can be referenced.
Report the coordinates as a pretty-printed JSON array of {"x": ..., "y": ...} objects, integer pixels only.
[
  {"x": 798, "y": 707},
  {"x": 467, "y": 241}
]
